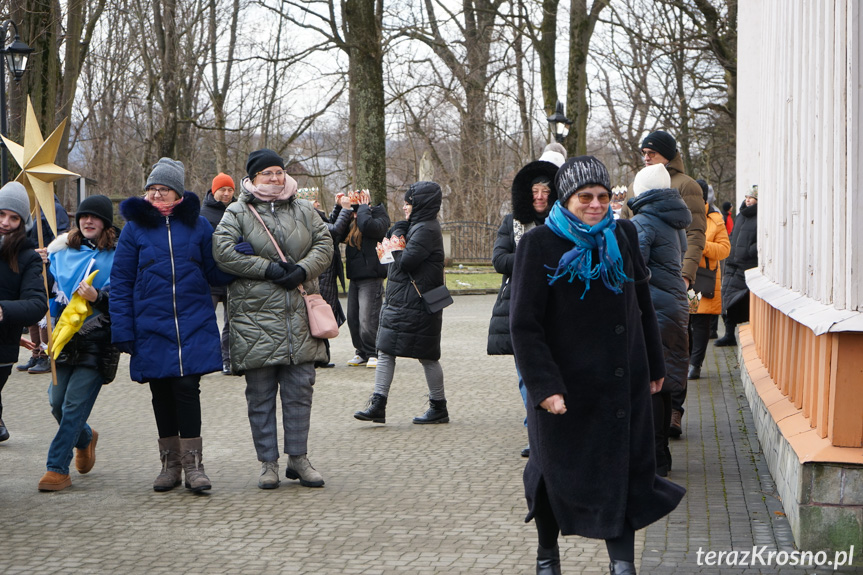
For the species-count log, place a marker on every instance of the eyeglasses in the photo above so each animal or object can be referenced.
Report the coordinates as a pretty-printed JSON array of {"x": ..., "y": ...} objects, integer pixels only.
[
  {"x": 160, "y": 192},
  {"x": 587, "y": 197},
  {"x": 649, "y": 154},
  {"x": 278, "y": 174}
]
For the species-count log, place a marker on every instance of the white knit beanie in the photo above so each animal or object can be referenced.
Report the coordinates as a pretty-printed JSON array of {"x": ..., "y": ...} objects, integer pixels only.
[{"x": 653, "y": 177}]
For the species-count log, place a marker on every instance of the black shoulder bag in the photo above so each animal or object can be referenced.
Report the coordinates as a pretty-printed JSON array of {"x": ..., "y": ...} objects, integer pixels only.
[
  {"x": 705, "y": 281},
  {"x": 435, "y": 299}
]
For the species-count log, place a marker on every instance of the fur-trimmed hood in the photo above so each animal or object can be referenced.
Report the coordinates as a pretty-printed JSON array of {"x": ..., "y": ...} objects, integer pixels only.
[
  {"x": 143, "y": 213},
  {"x": 522, "y": 195}
]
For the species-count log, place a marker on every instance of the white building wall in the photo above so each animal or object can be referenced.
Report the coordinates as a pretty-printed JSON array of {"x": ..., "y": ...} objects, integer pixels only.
[{"x": 800, "y": 138}]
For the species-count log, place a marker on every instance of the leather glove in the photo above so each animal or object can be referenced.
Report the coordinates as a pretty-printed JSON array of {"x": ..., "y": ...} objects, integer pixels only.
[
  {"x": 125, "y": 346},
  {"x": 244, "y": 247},
  {"x": 276, "y": 273}
]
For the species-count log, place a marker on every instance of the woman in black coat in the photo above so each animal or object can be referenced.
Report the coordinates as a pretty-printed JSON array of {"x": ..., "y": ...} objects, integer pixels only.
[
  {"x": 22, "y": 290},
  {"x": 661, "y": 218},
  {"x": 587, "y": 343},
  {"x": 406, "y": 330},
  {"x": 744, "y": 256},
  {"x": 533, "y": 194}
]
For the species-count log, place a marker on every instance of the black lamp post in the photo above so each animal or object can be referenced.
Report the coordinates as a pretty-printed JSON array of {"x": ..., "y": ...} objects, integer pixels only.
[
  {"x": 559, "y": 123},
  {"x": 15, "y": 57}
]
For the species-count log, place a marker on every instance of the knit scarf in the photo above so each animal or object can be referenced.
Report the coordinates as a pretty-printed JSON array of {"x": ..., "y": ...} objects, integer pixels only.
[
  {"x": 272, "y": 192},
  {"x": 165, "y": 208},
  {"x": 578, "y": 262}
]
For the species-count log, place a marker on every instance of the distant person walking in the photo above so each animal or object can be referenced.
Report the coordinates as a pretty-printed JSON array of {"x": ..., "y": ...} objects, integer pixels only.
[
  {"x": 406, "y": 329},
  {"x": 744, "y": 256},
  {"x": 533, "y": 194},
  {"x": 161, "y": 308},
  {"x": 23, "y": 300}
]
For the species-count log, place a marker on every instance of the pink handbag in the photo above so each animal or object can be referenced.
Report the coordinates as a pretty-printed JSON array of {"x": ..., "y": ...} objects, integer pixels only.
[{"x": 322, "y": 322}]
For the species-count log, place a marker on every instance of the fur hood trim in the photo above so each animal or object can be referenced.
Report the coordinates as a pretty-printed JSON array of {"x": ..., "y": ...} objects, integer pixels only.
[{"x": 144, "y": 214}]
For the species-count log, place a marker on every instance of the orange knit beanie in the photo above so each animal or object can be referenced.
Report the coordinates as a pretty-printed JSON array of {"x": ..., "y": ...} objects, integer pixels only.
[{"x": 221, "y": 181}]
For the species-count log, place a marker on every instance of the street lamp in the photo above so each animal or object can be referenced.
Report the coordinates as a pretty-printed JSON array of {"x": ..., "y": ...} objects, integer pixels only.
[
  {"x": 15, "y": 57},
  {"x": 559, "y": 123}
]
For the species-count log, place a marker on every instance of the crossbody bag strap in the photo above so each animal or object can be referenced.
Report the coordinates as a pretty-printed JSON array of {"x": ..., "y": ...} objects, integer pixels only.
[
  {"x": 266, "y": 229},
  {"x": 414, "y": 283}
]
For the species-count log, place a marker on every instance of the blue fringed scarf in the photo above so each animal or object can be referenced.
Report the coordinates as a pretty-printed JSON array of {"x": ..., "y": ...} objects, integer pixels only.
[{"x": 578, "y": 262}]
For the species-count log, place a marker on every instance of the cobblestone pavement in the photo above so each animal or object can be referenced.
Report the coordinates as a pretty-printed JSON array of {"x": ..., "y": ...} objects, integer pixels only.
[{"x": 399, "y": 498}]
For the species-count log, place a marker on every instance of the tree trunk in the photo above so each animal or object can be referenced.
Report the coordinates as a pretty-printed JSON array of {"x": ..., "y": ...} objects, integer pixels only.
[
  {"x": 363, "y": 38},
  {"x": 581, "y": 26}
]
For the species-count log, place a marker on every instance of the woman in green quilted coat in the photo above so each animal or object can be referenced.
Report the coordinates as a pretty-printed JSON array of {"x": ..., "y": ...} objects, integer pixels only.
[{"x": 270, "y": 339}]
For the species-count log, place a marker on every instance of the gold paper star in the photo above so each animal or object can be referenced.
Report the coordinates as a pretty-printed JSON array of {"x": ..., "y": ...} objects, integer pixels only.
[{"x": 38, "y": 170}]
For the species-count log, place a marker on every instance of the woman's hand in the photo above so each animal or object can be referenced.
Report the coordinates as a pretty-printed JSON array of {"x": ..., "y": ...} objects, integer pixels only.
[
  {"x": 27, "y": 344},
  {"x": 88, "y": 292},
  {"x": 343, "y": 201},
  {"x": 554, "y": 404},
  {"x": 365, "y": 198},
  {"x": 43, "y": 253},
  {"x": 656, "y": 385}
]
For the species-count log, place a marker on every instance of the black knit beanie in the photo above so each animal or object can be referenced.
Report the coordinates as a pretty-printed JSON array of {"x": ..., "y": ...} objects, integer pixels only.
[
  {"x": 662, "y": 142},
  {"x": 100, "y": 206},
  {"x": 261, "y": 160},
  {"x": 579, "y": 172}
]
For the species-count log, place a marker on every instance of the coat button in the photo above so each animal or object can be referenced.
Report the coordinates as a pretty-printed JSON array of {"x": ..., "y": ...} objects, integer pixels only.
[
  {"x": 619, "y": 329},
  {"x": 619, "y": 372},
  {"x": 620, "y": 414}
]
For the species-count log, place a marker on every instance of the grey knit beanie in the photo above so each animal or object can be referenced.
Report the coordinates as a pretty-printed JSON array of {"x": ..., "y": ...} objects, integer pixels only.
[
  {"x": 169, "y": 173},
  {"x": 13, "y": 197},
  {"x": 579, "y": 172}
]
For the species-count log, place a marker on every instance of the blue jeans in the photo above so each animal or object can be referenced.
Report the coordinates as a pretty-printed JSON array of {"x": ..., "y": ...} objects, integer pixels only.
[
  {"x": 71, "y": 402},
  {"x": 523, "y": 390},
  {"x": 364, "y": 313},
  {"x": 294, "y": 384}
]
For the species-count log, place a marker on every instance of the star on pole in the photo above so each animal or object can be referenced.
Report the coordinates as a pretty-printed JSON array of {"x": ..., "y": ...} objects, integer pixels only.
[{"x": 38, "y": 170}]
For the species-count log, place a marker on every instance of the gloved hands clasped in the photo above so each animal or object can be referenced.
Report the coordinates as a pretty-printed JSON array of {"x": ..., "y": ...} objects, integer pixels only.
[{"x": 285, "y": 274}]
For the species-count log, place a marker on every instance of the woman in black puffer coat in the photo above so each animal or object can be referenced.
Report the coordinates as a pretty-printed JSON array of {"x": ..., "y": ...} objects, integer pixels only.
[
  {"x": 406, "y": 330},
  {"x": 661, "y": 218},
  {"x": 22, "y": 290},
  {"x": 744, "y": 256}
]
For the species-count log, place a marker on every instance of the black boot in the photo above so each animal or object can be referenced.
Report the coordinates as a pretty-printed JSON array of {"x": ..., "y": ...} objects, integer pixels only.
[
  {"x": 728, "y": 339},
  {"x": 436, "y": 412},
  {"x": 694, "y": 372},
  {"x": 376, "y": 410},
  {"x": 621, "y": 568},
  {"x": 548, "y": 560}
]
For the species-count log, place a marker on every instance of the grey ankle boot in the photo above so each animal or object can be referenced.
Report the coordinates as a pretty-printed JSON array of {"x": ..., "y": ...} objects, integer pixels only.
[
  {"x": 621, "y": 568},
  {"x": 547, "y": 560},
  {"x": 172, "y": 469},
  {"x": 196, "y": 478},
  {"x": 436, "y": 413},
  {"x": 299, "y": 468}
]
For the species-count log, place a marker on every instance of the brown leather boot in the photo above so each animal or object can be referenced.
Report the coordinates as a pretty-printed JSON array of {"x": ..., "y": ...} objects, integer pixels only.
[
  {"x": 85, "y": 458},
  {"x": 191, "y": 456},
  {"x": 53, "y": 481},
  {"x": 172, "y": 469}
]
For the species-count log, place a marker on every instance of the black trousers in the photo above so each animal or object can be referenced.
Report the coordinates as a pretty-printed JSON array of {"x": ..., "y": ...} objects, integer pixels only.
[
  {"x": 699, "y": 336},
  {"x": 177, "y": 406},
  {"x": 661, "y": 422},
  {"x": 4, "y": 375}
]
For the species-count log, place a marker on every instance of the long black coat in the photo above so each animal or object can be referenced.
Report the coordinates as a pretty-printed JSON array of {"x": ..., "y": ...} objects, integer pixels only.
[
  {"x": 213, "y": 210},
  {"x": 514, "y": 225},
  {"x": 22, "y": 299},
  {"x": 661, "y": 218},
  {"x": 405, "y": 329},
  {"x": 327, "y": 280},
  {"x": 601, "y": 352},
  {"x": 744, "y": 256}
]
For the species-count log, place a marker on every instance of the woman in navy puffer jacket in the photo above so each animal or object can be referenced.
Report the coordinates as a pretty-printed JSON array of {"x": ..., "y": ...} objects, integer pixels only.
[
  {"x": 162, "y": 313},
  {"x": 661, "y": 218}
]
